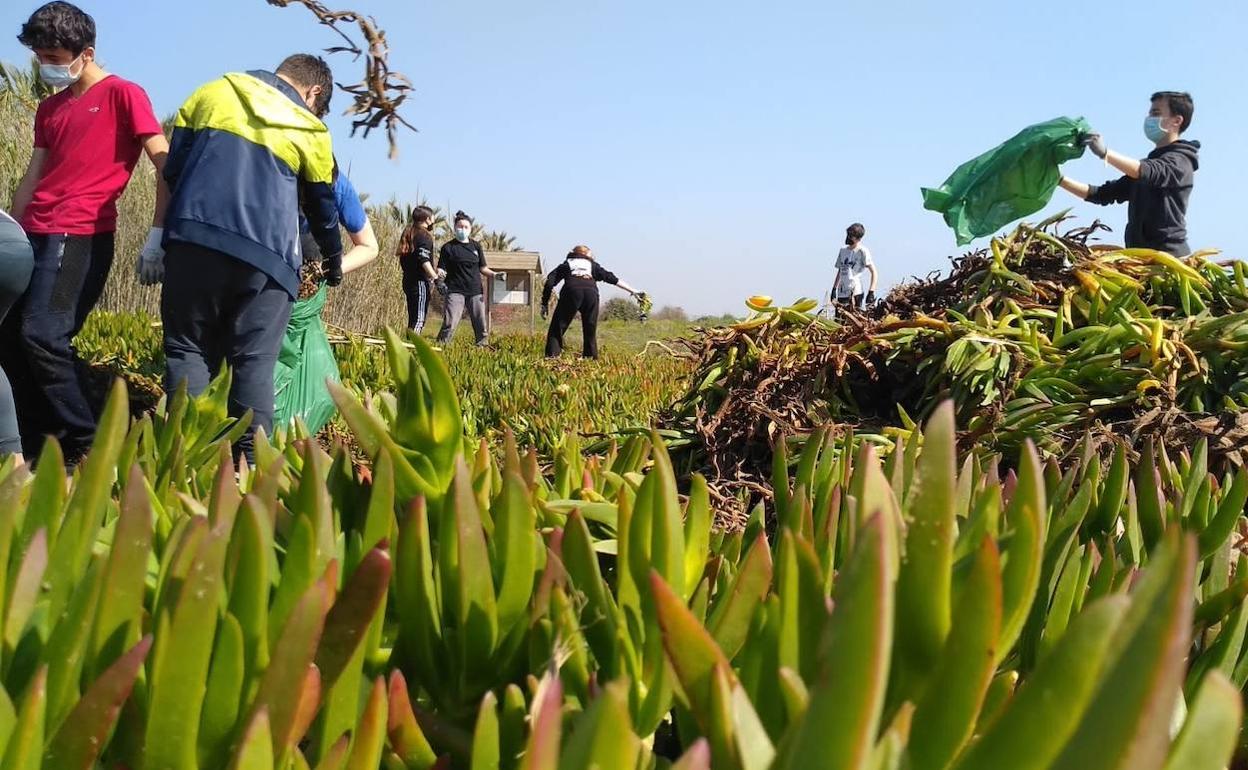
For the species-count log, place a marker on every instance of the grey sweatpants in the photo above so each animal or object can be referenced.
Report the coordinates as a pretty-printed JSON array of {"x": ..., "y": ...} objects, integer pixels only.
[{"x": 454, "y": 311}]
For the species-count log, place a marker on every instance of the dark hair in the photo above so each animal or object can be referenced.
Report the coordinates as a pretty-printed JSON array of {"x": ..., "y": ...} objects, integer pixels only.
[
  {"x": 305, "y": 71},
  {"x": 421, "y": 215},
  {"x": 1180, "y": 104},
  {"x": 59, "y": 25},
  {"x": 460, "y": 215},
  {"x": 854, "y": 233}
]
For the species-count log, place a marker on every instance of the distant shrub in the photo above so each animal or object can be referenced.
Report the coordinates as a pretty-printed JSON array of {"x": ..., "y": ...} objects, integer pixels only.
[
  {"x": 670, "y": 313},
  {"x": 619, "y": 309}
]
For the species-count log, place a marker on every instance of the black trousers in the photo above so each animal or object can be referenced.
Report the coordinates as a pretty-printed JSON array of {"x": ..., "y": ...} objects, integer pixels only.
[
  {"x": 574, "y": 299},
  {"x": 416, "y": 291},
  {"x": 68, "y": 279},
  {"x": 217, "y": 309},
  {"x": 853, "y": 303}
]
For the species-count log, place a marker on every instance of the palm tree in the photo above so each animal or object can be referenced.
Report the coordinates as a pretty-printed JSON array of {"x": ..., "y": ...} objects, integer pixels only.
[
  {"x": 401, "y": 213},
  {"x": 24, "y": 85},
  {"x": 499, "y": 240}
]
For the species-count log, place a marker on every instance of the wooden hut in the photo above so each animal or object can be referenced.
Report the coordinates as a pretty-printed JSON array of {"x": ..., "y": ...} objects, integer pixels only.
[{"x": 515, "y": 289}]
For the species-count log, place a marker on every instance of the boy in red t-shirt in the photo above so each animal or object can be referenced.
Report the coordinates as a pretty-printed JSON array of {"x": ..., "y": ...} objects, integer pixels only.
[{"x": 88, "y": 138}]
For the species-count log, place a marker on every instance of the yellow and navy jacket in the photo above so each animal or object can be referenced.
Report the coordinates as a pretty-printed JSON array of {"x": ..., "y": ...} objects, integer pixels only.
[{"x": 245, "y": 157}]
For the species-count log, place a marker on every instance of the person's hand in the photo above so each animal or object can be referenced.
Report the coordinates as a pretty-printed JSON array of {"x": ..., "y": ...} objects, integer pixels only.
[
  {"x": 441, "y": 274},
  {"x": 871, "y": 298},
  {"x": 151, "y": 267},
  {"x": 333, "y": 270},
  {"x": 1095, "y": 144},
  {"x": 440, "y": 285},
  {"x": 545, "y": 312}
]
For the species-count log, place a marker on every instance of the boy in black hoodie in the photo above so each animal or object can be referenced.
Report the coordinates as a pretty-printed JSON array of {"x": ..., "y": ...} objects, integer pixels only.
[{"x": 1155, "y": 189}]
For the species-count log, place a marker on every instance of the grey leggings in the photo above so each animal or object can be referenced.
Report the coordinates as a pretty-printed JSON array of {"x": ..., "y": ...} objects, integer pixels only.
[
  {"x": 454, "y": 310},
  {"x": 16, "y": 262}
]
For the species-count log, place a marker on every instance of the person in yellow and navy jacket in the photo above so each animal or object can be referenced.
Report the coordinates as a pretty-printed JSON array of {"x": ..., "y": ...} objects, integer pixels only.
[{"x": 247, "y": 156}]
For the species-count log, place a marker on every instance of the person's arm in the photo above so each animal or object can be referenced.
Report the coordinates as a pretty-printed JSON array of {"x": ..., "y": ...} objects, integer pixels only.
[
  {"x": 1095, "y": 143},
  {"x": 424, "y": 257},
  {"x": 485, "y": 268},
  {"x": 363, "y": 249},
  {"x": 836, "y": 280},
  {"x": 151, "y": 264},
  {"x": 1172, "y": 169},
  {"x": 554, "y": 279},
  {"x": 353, "y": 217},
  {"x": 157, "y": 149},
  {"x": 1077, "y": 189},
  {"x": 1127, "y": 165},
  {"x": 874, "y": 276},
  {"x": 1117, "y": 191},
  {"x": 26, "y": 188},
  {"x": 603, "y": 275},
  {"x": 320, "y": 207}
]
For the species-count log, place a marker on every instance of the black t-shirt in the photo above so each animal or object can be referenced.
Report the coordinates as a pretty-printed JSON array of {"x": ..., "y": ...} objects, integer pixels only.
[
  {"x": 413, "y": 263},
  {"x": 462, "y": 263}
]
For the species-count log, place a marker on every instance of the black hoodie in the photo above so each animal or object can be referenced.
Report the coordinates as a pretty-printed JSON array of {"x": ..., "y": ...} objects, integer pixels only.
[
  {"x": 578, "y": 271},
  {"x": 1157, "y": 201}
]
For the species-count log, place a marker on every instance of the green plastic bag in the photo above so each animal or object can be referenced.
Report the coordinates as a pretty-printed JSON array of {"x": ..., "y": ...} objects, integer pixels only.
[
  {"x": 1009, "y": 182},
  {"x": 304, "y": 364}
]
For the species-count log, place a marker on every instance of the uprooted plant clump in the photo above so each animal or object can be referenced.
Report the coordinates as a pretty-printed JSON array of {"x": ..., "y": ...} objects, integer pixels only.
[{"x": 1041, "y": 336}]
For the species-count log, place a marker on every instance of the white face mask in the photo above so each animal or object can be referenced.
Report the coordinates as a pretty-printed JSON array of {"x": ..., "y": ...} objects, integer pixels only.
[{"x": 60, "y": 75}]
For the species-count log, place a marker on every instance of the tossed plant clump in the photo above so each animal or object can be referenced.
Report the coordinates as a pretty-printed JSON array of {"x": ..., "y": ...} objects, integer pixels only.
[{"x": 1039, "y": 337}]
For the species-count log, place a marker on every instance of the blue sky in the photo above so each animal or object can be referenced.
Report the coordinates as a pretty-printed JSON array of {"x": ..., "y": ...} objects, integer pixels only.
[{"x": 712, "y": 150}]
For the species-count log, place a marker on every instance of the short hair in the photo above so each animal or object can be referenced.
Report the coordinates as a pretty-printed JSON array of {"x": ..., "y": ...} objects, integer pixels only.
[
  {"x": 1180, "y": 103},
  {"x": 59, "y": 25},
  {"x": 305, "y": 71},
  {"x": 460, "y": 216},
  {"x": 855, "y": 231},
  {"x": 583, "y": 251}
]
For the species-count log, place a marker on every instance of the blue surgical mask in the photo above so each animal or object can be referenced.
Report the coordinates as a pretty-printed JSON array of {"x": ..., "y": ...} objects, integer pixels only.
[
  {"x": 461, "y": 234},
  {"x": 1153, "y": 129},
  {"x": 59, "y": 75}
]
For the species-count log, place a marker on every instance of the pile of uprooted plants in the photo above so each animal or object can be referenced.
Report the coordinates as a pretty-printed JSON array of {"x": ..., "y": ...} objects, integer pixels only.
[{"x": 1040, "y": 336}]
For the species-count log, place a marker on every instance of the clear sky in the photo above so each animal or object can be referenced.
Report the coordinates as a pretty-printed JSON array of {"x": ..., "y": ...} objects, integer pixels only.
[{"x": 712, "y": 150}]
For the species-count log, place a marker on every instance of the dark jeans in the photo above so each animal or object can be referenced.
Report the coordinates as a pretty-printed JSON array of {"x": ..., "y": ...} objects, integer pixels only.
[
  {"x": 417, "y": 293},
  {"x": 68, "y": 278},
  {"x": 217, "y": 309},
  {"x": 572, "y": 300},
  {"x": 16, "y": 262}
]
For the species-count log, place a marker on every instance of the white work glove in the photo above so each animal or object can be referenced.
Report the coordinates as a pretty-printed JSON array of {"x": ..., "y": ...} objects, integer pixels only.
[
  {"x": 152, "y": 258},
  {"x": 441, "y": 274}
]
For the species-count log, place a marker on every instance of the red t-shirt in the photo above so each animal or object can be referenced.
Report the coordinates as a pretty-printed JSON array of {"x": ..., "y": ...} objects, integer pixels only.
[{"x": 93, "y": 143}]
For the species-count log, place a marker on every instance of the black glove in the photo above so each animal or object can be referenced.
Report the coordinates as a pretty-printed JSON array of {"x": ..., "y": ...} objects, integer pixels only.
[
  {"x": 545, "y": 312},
  {"x": 870, "y": 298},
  {"x": 333, "y": 270},
  {"x": 440, "y": 285},
  {"x": 1095, "y": 144}
]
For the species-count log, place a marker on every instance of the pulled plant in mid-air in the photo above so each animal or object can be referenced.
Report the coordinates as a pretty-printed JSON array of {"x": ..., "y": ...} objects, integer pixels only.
[{"x": 381, "y": 90}]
